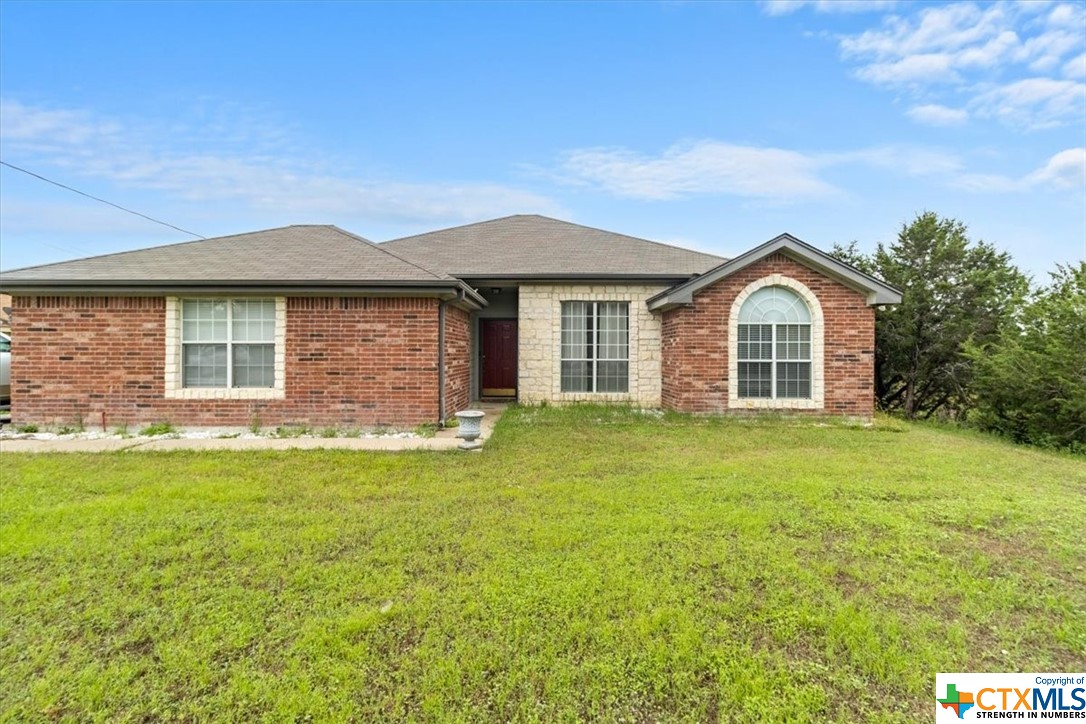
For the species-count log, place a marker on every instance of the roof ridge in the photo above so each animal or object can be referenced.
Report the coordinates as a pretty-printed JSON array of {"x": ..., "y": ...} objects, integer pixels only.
[
  {"x": 628, "y": 236},
  {"x": 377, "y": 246},
  {"x": 560, "y": 221},
  {"x": 457, "y": 226},
  {"x": 160, "y": 246}
]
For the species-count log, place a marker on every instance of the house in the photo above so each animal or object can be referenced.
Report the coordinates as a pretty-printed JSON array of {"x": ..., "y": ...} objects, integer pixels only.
[
  {"x": 5, "y": 313},
  {"x": 312, "y": 324}
]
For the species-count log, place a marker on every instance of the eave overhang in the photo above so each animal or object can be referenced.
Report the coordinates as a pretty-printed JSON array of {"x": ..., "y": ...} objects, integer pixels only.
[
  {"x": 451, "y": 290},
  {"x": 876, "y": 291},
  {"x": 480, "y": 280}
]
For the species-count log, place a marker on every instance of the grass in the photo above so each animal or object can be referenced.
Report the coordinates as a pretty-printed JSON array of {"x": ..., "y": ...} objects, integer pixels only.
[
  {"x": 426, "y": 429},
  {"x": 158, "y": 428},
  {"x": 292, "y": 431},
  {"x": 589, "y": 563}
]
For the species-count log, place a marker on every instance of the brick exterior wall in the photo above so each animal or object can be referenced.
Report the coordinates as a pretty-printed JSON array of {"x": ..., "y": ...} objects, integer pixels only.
[
  {"x": 695, "y": 343},
  {"x": 457, "y": 360},
  {"x": 349, "y": 361}
]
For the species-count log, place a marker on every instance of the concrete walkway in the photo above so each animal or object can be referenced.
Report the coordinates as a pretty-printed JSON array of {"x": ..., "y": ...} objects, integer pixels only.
[{"x": 443, "y": 440}]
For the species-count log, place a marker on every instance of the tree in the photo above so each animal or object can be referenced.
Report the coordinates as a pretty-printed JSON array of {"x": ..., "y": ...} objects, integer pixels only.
[
  {"x": 1030, "y": 384},
  {"x": 953, "y": 290}
]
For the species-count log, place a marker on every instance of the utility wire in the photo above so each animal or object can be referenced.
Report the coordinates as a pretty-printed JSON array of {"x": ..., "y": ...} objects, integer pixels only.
[{"x": 109, "y": 203}]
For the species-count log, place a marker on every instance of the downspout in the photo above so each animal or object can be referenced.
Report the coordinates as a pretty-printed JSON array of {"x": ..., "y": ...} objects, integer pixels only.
[{"x": 441, "y": 417}]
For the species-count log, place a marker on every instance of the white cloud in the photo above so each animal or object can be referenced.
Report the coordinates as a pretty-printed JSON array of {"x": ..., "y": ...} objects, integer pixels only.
[
  {"x": 712, "y": 167},
  {"x": 786, "y": 7},
  {"x": 72, "y": 216},
  {"x": 703, "y": 167},
  {"x": 1065, "y": 170},
  {"x": 1075, "y": 69},
  {"x": 23, "y": 124},
  {"x": 941, "y": 29},
  {"x": 1032, "y": 6},
  {"x": 240, "y": 168},
  {"x": 1045, "y": 52},
  {"x": 1000, "y": 61},
  {"x": 989, "y": 54},
  {"x": 1068, "y": 15},
  {"x": 921, "y": 68},
  {"x": 902, "y": 159},
  {"x": 986, "y": 183},
  {"x": 1033, "y": 102},
  {"x": 933, "y": 114}
]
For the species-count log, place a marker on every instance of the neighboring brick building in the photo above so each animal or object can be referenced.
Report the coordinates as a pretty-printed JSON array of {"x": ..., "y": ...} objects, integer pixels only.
[
  {"x": 5, "y": 313},
  {"x": 313, "y": 325}
]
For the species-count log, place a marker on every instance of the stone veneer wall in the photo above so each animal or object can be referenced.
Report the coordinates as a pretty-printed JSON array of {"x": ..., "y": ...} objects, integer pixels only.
[{"x": 540, "y": 337}]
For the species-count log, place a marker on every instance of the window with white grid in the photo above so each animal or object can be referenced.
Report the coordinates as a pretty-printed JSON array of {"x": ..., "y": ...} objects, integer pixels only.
[
  {"x": 774, "y": 345},
  {"x": 227, "y": 343},
  {"x": 595, "y": 347}
]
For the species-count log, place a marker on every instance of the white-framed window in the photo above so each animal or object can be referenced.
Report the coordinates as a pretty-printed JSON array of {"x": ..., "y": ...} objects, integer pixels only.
[
  {"x": 774, "y": 345},
  {"x": 595, "y": 347},
  {"x": 227, "y": 343},
  {"x": 223, "y": 347}
]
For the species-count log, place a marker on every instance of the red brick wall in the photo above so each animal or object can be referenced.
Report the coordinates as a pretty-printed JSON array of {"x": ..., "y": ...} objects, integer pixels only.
[
  {"x": 349, "y": 361},
  {"x": 695, "y": 342},
  {"x": 361, "y": 360},
  {"x": 457, "y": 360}
]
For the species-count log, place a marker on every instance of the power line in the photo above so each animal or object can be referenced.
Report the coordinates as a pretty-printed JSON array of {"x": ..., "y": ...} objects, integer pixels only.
[{"x": 109, "y": 203}]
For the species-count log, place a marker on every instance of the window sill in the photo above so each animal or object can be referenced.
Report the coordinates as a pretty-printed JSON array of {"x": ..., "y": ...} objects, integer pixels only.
[
  {"x": 761, "y": 403},
  {"x": 227, "y": 393},
  {"x": 594, "y": 396}
]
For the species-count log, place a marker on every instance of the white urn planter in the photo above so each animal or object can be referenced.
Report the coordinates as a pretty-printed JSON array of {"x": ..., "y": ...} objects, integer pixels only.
[{"x": 471, "y": 426}]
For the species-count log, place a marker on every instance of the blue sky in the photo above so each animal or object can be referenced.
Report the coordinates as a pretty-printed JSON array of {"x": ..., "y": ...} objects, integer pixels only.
[{"x": 715, "y": 126}]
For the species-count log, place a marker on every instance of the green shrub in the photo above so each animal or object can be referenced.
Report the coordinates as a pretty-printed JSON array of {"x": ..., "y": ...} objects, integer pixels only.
[{"x": 1029, "y": 385}]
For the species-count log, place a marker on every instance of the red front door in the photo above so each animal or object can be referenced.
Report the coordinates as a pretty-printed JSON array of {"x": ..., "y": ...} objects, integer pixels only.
[{"x": 499, "y": 357}]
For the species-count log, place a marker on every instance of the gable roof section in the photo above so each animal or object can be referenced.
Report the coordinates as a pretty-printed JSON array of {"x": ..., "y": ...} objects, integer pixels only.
[
  {"x": 291, "y": 256},
  {"x": 877, "y": 292},
  {"x": 539, "y": 247},
  {"x": 310, "y": 253}
]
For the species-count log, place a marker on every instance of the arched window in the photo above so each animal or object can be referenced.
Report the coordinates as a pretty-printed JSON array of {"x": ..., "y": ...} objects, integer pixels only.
[{"x": 774, "y": 345}]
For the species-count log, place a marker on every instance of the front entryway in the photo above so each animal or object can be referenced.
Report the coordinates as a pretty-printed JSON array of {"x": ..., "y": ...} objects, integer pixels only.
[{"x": 498, "y": 357}]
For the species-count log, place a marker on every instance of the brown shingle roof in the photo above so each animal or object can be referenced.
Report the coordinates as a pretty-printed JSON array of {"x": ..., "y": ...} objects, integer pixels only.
[
  {"x": 318, "y": 254},
  {"x": 524, "y": 246}
]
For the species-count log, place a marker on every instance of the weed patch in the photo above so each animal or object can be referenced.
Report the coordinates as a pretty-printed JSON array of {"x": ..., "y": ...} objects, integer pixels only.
[{"x": 158, "y": 428}]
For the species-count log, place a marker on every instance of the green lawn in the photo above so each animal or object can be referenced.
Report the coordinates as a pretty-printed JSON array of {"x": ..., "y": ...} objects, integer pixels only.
[{"x": 589, "y": 563}]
